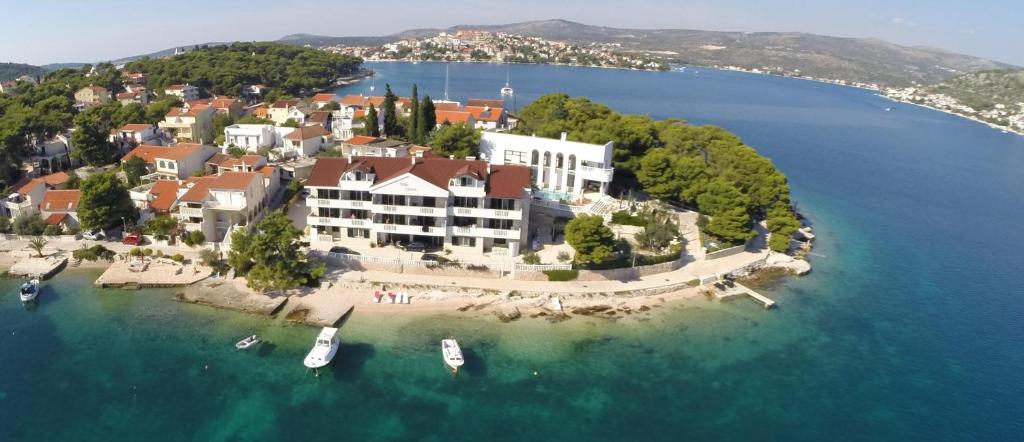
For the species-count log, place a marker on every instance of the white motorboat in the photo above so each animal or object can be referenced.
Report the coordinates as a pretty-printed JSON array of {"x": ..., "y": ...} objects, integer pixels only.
[
  {"x": 247, "y": 342},
  {"x": 507, "y": 90},
  {"x": 29, "y": 290},
  {"x": 452, "y": 354},
  {"x": 324, "y": 349}
]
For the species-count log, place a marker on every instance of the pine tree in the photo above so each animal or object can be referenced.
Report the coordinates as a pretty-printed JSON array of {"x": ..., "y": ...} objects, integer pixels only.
[
  {"x": 414, "y": 117},
  {"x": 370, "y": 120},
  {"x": 390, "y": 114}
]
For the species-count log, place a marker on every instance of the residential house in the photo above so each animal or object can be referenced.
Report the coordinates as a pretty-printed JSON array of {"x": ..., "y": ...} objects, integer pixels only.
[
  {"x": 91, "y": 96},
  {"x": 464, "y": 205},
  {"x": 488, "y": 118},
  {"x": 562, "y": 169},
  {"x": 251, "y": 137},
  {"x": 455, "y": 117},
  {"x": 485, "y": 102},
  {"x": 52, "y": 155},
  {"x": 321, "y": 118},
  {"x": 133, "y": 78},
  {"x": 453, "y": 106},
  {"x": 185, "y": 92},
  {"x": 155, "y": 198},
  {"x": 140, "y": 97},
  {"x": 321, "y": 100},
  {"x": 227, "y": 106},
  {"x": 346, "y": 124},
  {"x": 133, "y": 134},
  {"x": 216, "y": 205},
  {"x": 60, "y": 208},
  {"x": 366, "y": 146},
  {"x": 8, "y": 87},
  {"x": 220, "y": 162},
  {"x": 25, "y": 200},
  {"x": 282, "y": 110},
  {"x": 190, "y": 125},
  {"x": 253, "y": 92},
  {"x": 303, "y": 142},
  {"x": 172, "y": 162}
]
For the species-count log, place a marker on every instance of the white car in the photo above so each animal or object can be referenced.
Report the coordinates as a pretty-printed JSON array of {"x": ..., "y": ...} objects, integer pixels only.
[{"x": 93, "y": 235}]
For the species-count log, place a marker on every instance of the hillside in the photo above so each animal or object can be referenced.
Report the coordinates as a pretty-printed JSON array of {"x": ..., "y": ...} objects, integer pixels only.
[
  {"x": 984, "y": 90},
  {"x": 10, "y": 71},
  {"x": 792, "y": 53}
]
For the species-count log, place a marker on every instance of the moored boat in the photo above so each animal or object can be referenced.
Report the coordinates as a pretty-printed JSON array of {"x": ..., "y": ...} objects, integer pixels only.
[
  {"x": 452, "y": 354},
  {"x": 247, "y": 342},
  {"x": 324, "y": 349},
  {"x": 29, "y": 290}
]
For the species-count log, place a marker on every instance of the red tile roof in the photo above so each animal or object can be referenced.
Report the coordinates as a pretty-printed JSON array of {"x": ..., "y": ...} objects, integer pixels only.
[
  {"x": 56, "y": 218},
  {"x": 60, "y": 201},
  {"x": 56, "y": 179},
  {"x": 283, "y": 104},
  {"x": 307, "y": 132},
  {"x": 447, "y": 106},
  {"x": 135, "y": 127},
  {"x": 199, "y": 191},
  {"x": 177, "y": 87},
  {"x": 267, "y": 170},
  {"x": 502, "y": 181},
  {"x": 324, "y": 97},
  {"x": 319, "y": 116},
  {"x": 361, "y": 140},
  {"x": 353, "y": 100},
  {"x": 486, "y": 113},
  {"x": 453, "y": 117},
  {"x": 481, "y": 102},
  {"x": 150, "y": 153},
  {"x": 234, "y": 180},
  {"x": 166, "y": 193},
  {"x": 30, "y": 185}
]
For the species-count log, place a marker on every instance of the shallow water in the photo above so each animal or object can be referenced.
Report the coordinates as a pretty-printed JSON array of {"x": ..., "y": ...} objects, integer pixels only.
[{"x": 908, "y": 328}]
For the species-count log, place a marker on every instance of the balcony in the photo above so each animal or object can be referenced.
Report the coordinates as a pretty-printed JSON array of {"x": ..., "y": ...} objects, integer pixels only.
[
  {"x": 190, "y": 212},
  {"x": 338, "y": 222},
  {"x": 486, "y": 213},
  {"x": 356, "y": 185},
  {"x": 325, "y": 202},
  {"x": 193, "y": 227},
  {"x": 409, "y": 230},
  {"x": 601, "y": 174},
  {"x": 410, "y": 210},
  {"x": 482, "y": 232}
]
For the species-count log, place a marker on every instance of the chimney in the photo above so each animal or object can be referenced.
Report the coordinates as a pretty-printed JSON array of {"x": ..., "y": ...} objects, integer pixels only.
[
  {"x": 488, "y": 168},
  {"x": 412, "y": 160},
  {"x": 565, "y": 135},
  {"x": 451, "y": 157}
]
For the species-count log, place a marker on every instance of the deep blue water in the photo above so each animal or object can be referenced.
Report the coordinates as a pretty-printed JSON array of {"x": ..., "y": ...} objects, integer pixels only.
[{"x": 909, "y": 327}]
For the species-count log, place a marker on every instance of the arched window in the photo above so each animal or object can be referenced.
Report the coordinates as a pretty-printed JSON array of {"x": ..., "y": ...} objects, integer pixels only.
[
  {"x": 535, "y": 158},
  {"x": 558, "y": 161},
  {"x": 572, "y": 162},
  {"x": 547, "y": 159}
]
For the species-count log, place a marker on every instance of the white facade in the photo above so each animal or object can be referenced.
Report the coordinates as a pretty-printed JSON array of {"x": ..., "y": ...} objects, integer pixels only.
[
  {"x": 566, "y": 169},
  {"x": 185, "y": 92},
  {"x": 250, "y": 137}
]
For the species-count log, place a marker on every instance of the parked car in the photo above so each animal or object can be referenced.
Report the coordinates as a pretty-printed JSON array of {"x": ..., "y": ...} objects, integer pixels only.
[
  {"x": 132, "y": 239},
  {"x": 93, "y": 235},
  {"x": 344, "y": 250},
  {"x": 414, "y": 246},
  {"x": 430, "y": 257}
]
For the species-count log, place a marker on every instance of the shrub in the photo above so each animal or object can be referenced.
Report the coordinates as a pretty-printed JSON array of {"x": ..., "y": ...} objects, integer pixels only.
[
  {"x": 477, "y": 267},
  {"x": 193, "y": 238},
  {"x": 53, "y": 230},
  {"x": 135, "y": 251},
  {"x": 29, "y": 225},
  {"x": 178, "y": 258},
  {"x": 562, "y": 275},
  {"x": 5, "y": 224},
  {"x": 531, "y": 258},
  {"x": 623, "y": 217},
  {"x": 147, "y": 252},
  {"x": 564, "y": 256},
  {"x": 209, "y": 257}
]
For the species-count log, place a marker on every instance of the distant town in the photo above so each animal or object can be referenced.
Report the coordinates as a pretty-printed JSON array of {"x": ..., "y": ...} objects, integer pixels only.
[
  {"x": 481, "y": 46},
  {"x": 1008, "y": 117}
]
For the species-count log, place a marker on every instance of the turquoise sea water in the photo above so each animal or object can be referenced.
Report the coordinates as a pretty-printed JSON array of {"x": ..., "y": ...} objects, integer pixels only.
[{"x": 910, "y": 326}]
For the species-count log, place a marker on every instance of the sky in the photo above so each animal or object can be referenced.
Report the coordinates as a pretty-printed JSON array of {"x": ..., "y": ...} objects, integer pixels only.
[{"x": 56, "y": 31}]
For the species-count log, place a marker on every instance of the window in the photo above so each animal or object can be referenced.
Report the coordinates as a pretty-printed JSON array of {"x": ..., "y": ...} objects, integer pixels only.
[
  {"x": 462, "y": 221},
  {"x": 464, "y": 201},
  {"x": 503, "y": 224},
  {"x": 515, "y": 157},
  {"x": 332, "y": 194},
  {"x": 358, "y": 233},
  {"x": 329, "y": 212},
  {"x": 429, "y": 201},
  {"x": 360, "y": 195},
  {"x": 463, "y": 241},
  {"x": 392, "y": 200},
  {"x": 501, "y": 204}
]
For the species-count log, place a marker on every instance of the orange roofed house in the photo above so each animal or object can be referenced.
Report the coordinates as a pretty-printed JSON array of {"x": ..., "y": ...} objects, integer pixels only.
[
  {"x": 172, "y": 162},
  {"x": 60, "y": 208},
  {"x": 466, "y": 205},
  {"x": 216, "y": 205}
]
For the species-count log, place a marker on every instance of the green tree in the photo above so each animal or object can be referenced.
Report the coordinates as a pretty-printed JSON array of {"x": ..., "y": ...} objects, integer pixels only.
[
  {"x": 252, "y": 119},
  {"x": 331, "y": 106},
  {"x": 657, "y": 235},
  {"x": 157, "y": 110},
  {"x": 91, "y": 136},
  {"x": 134, "y": 169},
  {"x": 414, "y": 117},
  {"x": 161, "y": 226},
  {"x": 593, "y": 241},
  {"x": 130, "y": 113},
  {"x": 221, "y": 121},
  {"x": 720, "y": 197},
  {"x": 290, "y": 123},
  {"x": 390, "y": 113},
  {"x": 370, "y": 120},
  {"x": 271, "y": 257},
  {"x": 37, "y": 243},
  {"x": 460, "y": 140},
  {"x": 5, "y": 224},
  {"x": 29, "y": 224},
  {"x": 105, "y": 202},
  {"x": 732, "y": 226},
  {"x": 427, "y": 119},
  {"x": 783, "y": 224}
]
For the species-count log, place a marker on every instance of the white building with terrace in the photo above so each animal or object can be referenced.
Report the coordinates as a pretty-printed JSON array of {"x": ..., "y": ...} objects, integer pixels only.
[
  {"x": 468, "y": 206},
  {"x": 561, "y": 170}
]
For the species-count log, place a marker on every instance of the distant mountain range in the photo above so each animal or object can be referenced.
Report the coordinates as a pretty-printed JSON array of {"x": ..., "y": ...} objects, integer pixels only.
[
  {"x": 853, "y": 59},
  {"x": 862, "y": 60},
  {"x": 10, "y": 71}
]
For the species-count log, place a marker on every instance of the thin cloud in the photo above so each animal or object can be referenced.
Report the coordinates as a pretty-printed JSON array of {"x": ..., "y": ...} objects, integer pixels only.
[{"x": 900, "y": 21}]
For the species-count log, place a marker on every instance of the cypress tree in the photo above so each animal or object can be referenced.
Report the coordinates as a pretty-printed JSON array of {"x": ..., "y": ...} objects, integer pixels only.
[
  {"x": 390, "y": 116},
  {"x": 428, "y": 118},
  {"x": 414, "y": 116},
  {"x": 370, "y": 120}
]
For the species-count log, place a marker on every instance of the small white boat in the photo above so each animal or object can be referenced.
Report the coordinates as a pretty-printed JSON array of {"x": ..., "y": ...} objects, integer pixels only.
[
  {"x": 29, "y": 290},
  {"x": 452, "y": 354},
  {"x": 324, "y": 349},
  {"x": 247, "y": 342}
]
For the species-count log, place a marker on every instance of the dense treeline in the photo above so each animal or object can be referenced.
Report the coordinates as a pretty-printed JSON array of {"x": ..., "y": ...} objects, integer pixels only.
[
  {"x": 223, "y": 70},
  {"x": 705, "y": 167},
  {"x": 10, "y": 71}
]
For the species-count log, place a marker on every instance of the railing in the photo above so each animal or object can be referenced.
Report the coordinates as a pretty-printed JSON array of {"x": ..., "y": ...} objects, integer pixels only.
[
  {"x": 191, "y": 227},
  {"x": 409, "y": 229},
  {"x": 410, "y": 210},
  {"x": 477, "y": 212},
  {"x": 603, "y": 174},
  {"x": 485, "y": 232},
  {"x": 191, "y": 212},
  {"x": 520, "y": 267}
]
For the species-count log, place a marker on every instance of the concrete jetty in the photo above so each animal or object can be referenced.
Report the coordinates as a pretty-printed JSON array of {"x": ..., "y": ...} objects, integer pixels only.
[
  {"x": 159, "y": 272},
  {"x": 741, "y": 290},
  {"x": 37, "y": 267}
]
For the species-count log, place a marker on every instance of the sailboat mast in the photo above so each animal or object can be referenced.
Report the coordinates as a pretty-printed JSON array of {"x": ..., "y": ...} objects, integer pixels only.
[{"x": 446, "y": 82}]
